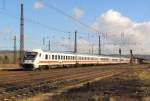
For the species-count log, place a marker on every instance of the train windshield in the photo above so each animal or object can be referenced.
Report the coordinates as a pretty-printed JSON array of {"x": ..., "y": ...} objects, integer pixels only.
[{"x": 30, "y": 55}]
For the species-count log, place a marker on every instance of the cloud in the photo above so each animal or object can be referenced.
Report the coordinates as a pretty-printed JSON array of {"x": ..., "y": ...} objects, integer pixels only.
[
  {"x": 78, "y": 13},
  {"x": 38, "y": 4},
  {"x": 135, "y": 34}
]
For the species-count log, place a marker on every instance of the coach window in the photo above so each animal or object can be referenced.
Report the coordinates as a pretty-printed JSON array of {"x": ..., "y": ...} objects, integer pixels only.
[
  {"x": 46, "y": 56},
  {"x": 55, "y": 57},
  {"x": 64, "y": 57},
  {"x": 58, "y": 57},
  {"x": 49, "y": 56},
  {"x": 40, "y": 55},
  {"x": 52, "y": 57},
  {"x": 68, "y": 57},
  {"x": 61, "y": 57},
  {"x": 72, "y": 57}
]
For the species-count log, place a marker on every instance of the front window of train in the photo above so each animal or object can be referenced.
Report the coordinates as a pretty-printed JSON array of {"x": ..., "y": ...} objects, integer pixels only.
[{"x": 30, "y": 55}]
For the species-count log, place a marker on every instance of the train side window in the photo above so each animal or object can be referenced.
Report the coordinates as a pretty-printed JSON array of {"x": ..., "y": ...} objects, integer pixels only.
[
  {"x": 64, "y": 57},
  {"x": 55, "y": 57},
  {"x": 40, "y": 55},
  {"x": 46, "y": 56},
  {"x": 52, "y": 57},
  {"x": 58, "y": 57},
  {"x": 49, "y": 56},
  {"x": 70, "y": 57},
  {"x": 61, "y": 57},
  {"x": 73, "y": 57}
]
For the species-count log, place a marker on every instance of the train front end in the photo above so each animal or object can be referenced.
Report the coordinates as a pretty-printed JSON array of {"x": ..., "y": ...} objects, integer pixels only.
[{"x": 29, "y": 60}]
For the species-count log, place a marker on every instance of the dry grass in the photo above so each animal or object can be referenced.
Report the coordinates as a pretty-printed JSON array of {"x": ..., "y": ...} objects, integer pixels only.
[
  {"x": 39, "y": 97},
  {"x": 9, "y": 66},
  {"x": 145, "y": 75}
]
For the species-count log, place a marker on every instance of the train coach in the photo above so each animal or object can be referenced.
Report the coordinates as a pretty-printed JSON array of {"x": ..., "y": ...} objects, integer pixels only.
[{"x": 38, "y": 59}]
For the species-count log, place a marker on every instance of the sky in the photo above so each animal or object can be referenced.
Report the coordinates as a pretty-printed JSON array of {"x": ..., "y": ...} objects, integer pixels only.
[{"x": 121, "y": 24}]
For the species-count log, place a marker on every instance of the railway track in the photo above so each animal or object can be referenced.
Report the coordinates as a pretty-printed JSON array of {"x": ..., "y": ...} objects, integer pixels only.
[{"x": 14, "y": 86}]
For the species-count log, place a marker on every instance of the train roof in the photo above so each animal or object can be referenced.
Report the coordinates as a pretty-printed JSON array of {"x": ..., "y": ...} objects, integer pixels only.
[{"x": 71, "y": 53}]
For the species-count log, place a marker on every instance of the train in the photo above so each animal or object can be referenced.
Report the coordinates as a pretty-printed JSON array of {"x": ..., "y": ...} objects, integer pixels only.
[{"x": 40, "y": 59}]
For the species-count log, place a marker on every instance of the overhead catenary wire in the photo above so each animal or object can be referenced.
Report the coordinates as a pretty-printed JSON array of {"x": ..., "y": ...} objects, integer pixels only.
[
  {"x": 70, "y": 17},
  {"x": 7, "y": 13},
  {"x": 53, "y": 28}
]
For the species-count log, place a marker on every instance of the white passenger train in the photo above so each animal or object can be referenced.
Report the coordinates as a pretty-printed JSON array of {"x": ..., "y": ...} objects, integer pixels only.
[{"x": 38, "y": 58}]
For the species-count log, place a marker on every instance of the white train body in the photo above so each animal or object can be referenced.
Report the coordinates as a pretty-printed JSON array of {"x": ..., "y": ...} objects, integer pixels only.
[{"x": 38, "y": 59}]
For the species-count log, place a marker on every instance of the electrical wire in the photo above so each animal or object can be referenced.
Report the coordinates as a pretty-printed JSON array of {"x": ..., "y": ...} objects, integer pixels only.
[
  {"x": 7, "y": 13},
  {"x": 70, "y": 17}
]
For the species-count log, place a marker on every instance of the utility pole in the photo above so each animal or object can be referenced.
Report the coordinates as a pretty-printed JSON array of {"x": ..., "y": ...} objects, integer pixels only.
[
  {"x": 49, "y": 45},
  {"x": 43, "y": 41},
  {"x": 92, "y": 49},
  {"x": 99, "y": 45},
  {"x": 75, "y": 43},
  {"x": 15, "y": 55},
  {"x": 43, "y": 44},
  {"x": 131, "y": 56},
  {"x": 120, "y": 54},
  {"x": 21, "y": 34}
]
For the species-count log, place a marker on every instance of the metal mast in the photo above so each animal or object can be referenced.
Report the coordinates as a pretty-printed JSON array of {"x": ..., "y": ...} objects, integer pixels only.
[
  {"x": 75, "y": 43},
  {"x": 49, "y": 45},
  {"x": 99, "y": 45},
  {"x": 131, "y": 56},
  {"x": 21, "y": 34},
  {"x": 120, "y": 54}
]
